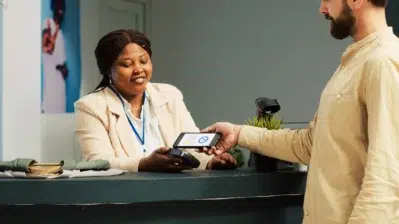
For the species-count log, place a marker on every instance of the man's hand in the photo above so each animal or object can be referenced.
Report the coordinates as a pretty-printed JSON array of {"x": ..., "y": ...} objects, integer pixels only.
[
  {"x": 221, "y": 162},
  {"x": 228, "y": 140}
]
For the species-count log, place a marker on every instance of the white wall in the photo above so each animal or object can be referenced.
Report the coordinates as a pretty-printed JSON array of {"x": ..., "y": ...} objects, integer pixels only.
[
  {"x": 20, "y": 85},
  {"x": 58, "y": 141},
  {"x": 224, "y": 54},
  {"x": 89, "y": 30},
  {"x": 2, "y": 6}
]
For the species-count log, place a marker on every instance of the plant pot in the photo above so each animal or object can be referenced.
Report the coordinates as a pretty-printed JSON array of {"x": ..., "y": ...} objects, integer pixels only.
[{"x": 263, "y": 163}]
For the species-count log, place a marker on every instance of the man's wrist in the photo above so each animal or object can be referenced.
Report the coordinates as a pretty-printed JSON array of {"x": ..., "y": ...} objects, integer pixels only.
[{"x": 237, "y": 130}]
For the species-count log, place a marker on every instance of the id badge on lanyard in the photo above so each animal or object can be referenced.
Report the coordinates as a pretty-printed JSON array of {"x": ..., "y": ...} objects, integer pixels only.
[{"x": 142, "y": 137}]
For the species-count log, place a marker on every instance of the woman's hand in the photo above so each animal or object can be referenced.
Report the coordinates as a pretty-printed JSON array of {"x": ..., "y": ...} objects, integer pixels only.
[
  {"x": 159, "y": 161},
  {"x": 221, "y": 162}
]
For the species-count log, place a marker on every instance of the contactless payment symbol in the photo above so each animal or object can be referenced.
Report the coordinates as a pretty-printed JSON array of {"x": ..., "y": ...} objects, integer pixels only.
[{"x": 203, "y": 139}]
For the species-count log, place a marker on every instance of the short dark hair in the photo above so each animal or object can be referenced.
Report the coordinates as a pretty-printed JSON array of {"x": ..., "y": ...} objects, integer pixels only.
[
  {"x": 110, "y": 46},
  {"x": 379, "y": 3},
  {"x": 56, "y": 5}
]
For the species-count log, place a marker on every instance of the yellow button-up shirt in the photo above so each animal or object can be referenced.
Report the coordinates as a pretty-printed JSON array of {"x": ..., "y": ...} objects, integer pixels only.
[{"x": 352, "y": 144}]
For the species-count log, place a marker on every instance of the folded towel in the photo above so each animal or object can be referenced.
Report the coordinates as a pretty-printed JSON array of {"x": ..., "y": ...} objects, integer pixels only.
[
  {"x": 86, "y": 165},
  {"x": 21, "y": 165}
]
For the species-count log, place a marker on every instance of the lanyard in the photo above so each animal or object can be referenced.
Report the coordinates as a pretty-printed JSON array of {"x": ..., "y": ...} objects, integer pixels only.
[{"x": 141, "y": 139}]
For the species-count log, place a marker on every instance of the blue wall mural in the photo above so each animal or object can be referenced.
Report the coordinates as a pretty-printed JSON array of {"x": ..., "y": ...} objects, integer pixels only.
[{"x": 61, "y": 64}]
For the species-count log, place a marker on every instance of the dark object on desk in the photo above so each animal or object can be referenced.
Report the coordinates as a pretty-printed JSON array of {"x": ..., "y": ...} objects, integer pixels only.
[
  {"x": 263, "y": 163},
  {"x": 188, "y": 159},
  {"x": 265, "y": 108}
]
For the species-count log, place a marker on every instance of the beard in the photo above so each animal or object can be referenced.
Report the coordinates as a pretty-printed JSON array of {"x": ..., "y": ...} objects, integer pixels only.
[{"x": 343, "y": 26}]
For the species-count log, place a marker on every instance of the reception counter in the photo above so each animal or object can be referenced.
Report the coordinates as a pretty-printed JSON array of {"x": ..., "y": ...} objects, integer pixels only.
[{"x": 236, "y": 196}]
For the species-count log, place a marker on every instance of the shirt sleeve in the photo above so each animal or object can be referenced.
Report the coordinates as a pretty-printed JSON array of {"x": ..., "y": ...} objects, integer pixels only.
[
  {"x": 378, "y": 199},
  {"x": 285, "y": 144}
]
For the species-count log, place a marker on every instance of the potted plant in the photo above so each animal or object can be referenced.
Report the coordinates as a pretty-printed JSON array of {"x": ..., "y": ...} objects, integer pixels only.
[
  {"x": 266, "y": 110},
  {"x": 260, "y": 162}
]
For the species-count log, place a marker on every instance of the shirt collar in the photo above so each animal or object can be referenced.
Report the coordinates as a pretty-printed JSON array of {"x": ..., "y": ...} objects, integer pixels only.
[
  {"x": 352, "y": 49},
  {"x": 127, "y": 105}
]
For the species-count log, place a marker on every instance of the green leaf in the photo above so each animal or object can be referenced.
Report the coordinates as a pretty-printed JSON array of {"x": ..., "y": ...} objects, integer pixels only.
[{"x": 271, "y": 122}]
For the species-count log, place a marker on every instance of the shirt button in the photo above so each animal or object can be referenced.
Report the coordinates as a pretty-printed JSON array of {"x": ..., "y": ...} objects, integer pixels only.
[
  {"x": 339, "y": 96},
  {"x": 306, "y": 213}
]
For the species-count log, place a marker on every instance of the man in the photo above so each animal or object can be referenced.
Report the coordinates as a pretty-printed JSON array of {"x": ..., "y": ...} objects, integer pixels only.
[
  {"x": 54, "y": 60},
  {"x": 352, "y": 144}
]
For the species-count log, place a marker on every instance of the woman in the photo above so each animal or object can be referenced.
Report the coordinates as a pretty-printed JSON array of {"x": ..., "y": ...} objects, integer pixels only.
[{"x": 130, "y": 121}]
